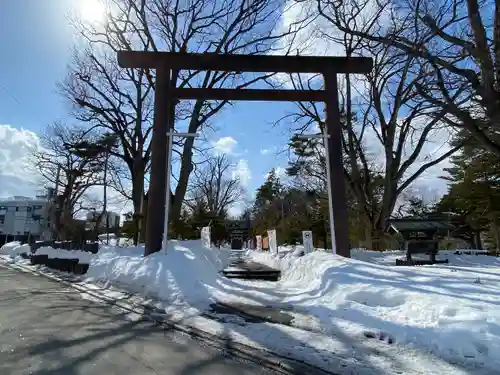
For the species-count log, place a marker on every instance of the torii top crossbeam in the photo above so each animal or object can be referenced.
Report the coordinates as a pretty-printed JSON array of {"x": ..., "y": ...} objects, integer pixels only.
[{"x": 245, "y": 63}]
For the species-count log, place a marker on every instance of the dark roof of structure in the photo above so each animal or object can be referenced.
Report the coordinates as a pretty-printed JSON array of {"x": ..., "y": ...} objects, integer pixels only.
[{"x": 411, "y": 224}]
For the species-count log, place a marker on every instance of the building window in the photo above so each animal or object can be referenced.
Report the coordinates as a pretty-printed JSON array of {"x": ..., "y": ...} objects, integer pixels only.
[
  {"x": 17, "y": 209},
  {"x": 2, "y": 221},
  {"x": 28, "y": 209},
  {"x": 37, "y": 207}
]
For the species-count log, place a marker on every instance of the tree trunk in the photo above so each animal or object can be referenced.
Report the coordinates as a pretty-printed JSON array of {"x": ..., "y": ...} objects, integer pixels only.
[
  {"x": 325, "y": 235},
  {"x": 477, "y": 240},
  {"x": 144, "y": 215},
  {"x": 144, "y": 221},
  {"x": 496, "y": 232},
  {"x": 138, "y": 197},
  {"x": 186, "y": 164},
  {"x": 105, "y": 198},
  {"x": 368, "y": 234}
]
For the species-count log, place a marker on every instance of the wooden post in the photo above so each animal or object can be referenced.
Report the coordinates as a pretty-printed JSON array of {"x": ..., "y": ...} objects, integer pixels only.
[
  {"x": 156, "y": 199},
  {"x": 409, "y": 260},
  {"x": 334, "y": 130}
]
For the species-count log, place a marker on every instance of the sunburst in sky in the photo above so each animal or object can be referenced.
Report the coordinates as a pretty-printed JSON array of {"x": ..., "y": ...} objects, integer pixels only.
[{"x": 92, "y": 11}]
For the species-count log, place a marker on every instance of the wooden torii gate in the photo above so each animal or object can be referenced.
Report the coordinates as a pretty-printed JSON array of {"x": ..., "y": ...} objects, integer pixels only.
[{"x": 166, "y": 94}]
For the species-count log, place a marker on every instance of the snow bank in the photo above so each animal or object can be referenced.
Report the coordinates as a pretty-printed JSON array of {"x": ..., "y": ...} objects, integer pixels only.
[
  {"x": 388, "y": 258},
  {"x": 82, "y": 256},
  {"x": 264, "y": 257},
  {"x": 279, "y": 261},
  {"x": 451, "y": 311},
  {"x": 14, "y": 248},
  {"x": 184, "y": 276}
]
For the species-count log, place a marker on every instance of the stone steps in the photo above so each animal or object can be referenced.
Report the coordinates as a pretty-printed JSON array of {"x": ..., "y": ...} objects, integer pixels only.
[{"x": 241, "y": 268}]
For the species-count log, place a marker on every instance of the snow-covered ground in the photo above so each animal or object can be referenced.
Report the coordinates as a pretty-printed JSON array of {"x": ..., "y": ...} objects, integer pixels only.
[
  {"x": 14, "y": 248},
  {"x": 453, "y": 310},
  {"x": 439, "y": 319}
]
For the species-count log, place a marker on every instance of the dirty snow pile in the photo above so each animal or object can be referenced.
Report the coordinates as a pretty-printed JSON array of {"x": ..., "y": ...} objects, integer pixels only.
[
  {"x": 82, "y": 256},
  {"x": 280, "y": 260},
  {"x": 15, "y": 248},
  {"x": 184, "y": 276}
]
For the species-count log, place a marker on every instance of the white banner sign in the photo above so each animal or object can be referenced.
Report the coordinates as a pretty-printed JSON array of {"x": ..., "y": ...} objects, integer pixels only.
[
  {"x": 307, "y": 241},
  {"x": 205, "y": 237},
  {"x": 273, "y": 245},
  {"x": 259, "y": 242}
]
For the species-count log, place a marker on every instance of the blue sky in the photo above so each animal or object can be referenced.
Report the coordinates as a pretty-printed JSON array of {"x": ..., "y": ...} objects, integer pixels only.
[
  {"x": 34, "y": 52},
  {"x": 34, "y": 49},
  {"x": 34, "y": 44}
]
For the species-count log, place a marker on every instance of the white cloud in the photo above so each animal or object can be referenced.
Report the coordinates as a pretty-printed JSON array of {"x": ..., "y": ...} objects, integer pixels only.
[
  {"x": 17, "y": 175},
  {"x": 116, "y": 202},
  {"x": 279, "y": 171},
  {"x": 275, "y": 150},
  {"x": 236, "y": 210},
  {"x": 225, "y": 145},
  {"x": 242, "y": 171},
  {"x": 316, "y": 36}
]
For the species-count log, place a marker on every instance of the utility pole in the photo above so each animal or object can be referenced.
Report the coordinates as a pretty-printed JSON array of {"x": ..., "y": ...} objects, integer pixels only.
[
  {"x": 170, "y": 136},
  {"x": 105, "y": 193},
  {"x": 54, "y": 209},
  {"x": 324, "y": 135},
  {"x": 282, "y": 223},
  {"x": 108, "y": 142}
]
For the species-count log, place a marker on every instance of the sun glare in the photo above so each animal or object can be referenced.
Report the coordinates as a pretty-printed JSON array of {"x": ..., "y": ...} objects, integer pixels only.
[{"x": 93, "y": 11}]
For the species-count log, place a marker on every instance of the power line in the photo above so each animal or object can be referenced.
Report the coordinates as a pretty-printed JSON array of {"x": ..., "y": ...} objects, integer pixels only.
[{"x": 10, "y": 94}]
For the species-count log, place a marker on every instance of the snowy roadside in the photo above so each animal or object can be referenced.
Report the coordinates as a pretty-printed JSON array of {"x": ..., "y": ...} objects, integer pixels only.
[{"x": 338, "y": 300}]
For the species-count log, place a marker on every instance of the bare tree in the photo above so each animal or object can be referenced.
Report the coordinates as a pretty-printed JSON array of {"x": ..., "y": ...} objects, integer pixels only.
[
  {"x": 215, "y": 185},
  {"x": 456, "y": 46},
  {"x": 121, "y": 98},
  {"x": 117, "y": 100},
  {"x": 387, "y": 126},
  {"x": 72, "y": 174}
]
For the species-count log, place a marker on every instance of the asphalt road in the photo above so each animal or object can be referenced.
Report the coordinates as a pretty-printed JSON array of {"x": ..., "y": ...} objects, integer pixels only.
[{"x": 47, "y": 328}]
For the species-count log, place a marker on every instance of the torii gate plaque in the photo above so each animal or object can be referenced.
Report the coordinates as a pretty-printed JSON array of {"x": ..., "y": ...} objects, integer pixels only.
[{"x": 165, "y": 95}]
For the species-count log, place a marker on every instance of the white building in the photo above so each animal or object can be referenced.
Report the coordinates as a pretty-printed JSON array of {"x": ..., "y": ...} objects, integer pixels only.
[
  {"x": 24, "y": 216},
  {"x": 113, "y": 219}
]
